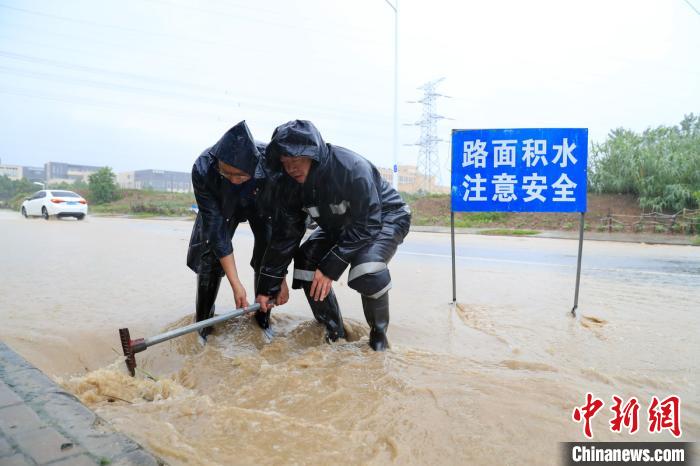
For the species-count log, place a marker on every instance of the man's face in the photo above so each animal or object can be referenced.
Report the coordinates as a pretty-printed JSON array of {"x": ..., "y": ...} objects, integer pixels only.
[
  {"x": 296, "y": 167},
  {"x": 231, "y": 173}
]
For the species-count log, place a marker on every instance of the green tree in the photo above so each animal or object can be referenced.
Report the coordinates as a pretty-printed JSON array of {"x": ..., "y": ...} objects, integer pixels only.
[
  {"x": 661, "y": 166},
  {"x": 14, "y": 191},
  {"x": 77, "y": 186},
  {"x": 102, "y": 186},
  {"x": 7, "y": 188}
]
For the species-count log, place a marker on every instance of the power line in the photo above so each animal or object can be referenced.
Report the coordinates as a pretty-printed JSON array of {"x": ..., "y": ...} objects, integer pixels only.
[
  {"x": 83, "y": 40},
  {"x": 167, "y": 112},
  {"x": 692, "y": 6},
  {"x": 196, "y": 62},
  {"x": 333, "y": 70},
  {"x": 94, "y": 24},
  {"x": 75, "y": 100},
  {"x": 94, "y": 70},
  {"x": 207, "y": 94},
  {"x": 115, "y": 87},
  {"x": 266, "y": 11},
  {"x": 221, "y": 102},
  {"x": 140, "y": 84},
  {"x": 189, "y": 39}
]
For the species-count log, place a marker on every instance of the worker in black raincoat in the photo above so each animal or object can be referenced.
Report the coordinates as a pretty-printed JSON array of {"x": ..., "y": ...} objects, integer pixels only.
[
  {"x": 361, "y": 221},
  {"x": 228, "y": 179}
]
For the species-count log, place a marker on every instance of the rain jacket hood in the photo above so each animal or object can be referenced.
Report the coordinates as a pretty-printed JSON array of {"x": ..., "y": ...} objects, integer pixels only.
[
  {"x": 238, "y": 149},
  {"x": 223, "y": 205},
  {"x": 297, "y": 138},
  {"x": 343, "y": 193}
]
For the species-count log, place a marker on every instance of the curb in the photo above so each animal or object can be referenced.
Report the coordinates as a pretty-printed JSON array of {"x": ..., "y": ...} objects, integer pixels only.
[
  {"x": 549, "y": 234},
  {"x": 40, "y": 423}
]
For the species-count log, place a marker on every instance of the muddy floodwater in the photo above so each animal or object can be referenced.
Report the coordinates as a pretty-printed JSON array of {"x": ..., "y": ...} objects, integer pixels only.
[{"x": 491, "y": 381}]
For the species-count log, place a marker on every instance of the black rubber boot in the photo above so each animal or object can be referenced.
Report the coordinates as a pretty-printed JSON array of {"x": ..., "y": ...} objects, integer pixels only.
[
  {"x": 377, "y": 315},
  {"x": 328, "y": 313},
  {"x": 207, "y": 289}
]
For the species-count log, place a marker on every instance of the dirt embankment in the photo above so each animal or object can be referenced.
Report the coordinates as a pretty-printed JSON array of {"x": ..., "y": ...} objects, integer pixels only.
[
  {"x": 605, "y": 212},
  {"x": 148, "y": 203}
]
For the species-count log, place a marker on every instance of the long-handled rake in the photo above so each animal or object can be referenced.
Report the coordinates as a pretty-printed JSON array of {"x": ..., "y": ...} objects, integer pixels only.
[{"x": 131, "y": 347}]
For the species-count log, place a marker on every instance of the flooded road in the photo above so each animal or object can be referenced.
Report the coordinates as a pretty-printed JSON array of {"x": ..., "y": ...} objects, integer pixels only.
[{"x": 493, "y": 380}]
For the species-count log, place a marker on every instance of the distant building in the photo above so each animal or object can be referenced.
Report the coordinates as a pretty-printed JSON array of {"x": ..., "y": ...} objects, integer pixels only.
[
  {"x": 34, "y": 173},
  {"x": 157, "y": 180},
  {"x": 59, "y": 172},
  {"x": 13, "y": 172},
  {"x": 412, "y": 181},
  {"x": 17, "y": 172}
]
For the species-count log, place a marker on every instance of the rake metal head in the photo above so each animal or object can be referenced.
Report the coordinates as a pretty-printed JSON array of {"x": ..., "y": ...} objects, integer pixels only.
[{"x": 129, "y": 357}]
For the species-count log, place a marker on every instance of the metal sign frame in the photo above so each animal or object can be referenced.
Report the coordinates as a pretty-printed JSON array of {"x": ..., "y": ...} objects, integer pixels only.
[{"x": 515, "y": 155}]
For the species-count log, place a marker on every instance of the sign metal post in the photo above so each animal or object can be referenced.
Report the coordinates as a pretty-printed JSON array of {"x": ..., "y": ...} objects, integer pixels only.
[{"x": 519, "y": 170}]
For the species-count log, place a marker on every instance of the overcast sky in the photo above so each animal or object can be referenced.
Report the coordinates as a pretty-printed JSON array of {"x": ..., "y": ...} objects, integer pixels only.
[{"x": 136, "y": 84}]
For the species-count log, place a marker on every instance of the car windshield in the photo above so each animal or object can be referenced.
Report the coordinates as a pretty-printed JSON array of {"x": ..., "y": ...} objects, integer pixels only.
[{"x": 64, "y": 194}]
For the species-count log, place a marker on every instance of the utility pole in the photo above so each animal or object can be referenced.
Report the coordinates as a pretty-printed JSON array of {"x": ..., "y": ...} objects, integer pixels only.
[
  {"x": 428, "y": 157},
  {"x": 395, "y": 168}
]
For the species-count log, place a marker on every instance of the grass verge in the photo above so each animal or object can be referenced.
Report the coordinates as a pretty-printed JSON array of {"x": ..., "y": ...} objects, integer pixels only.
[{"x": 508, "y": 232}]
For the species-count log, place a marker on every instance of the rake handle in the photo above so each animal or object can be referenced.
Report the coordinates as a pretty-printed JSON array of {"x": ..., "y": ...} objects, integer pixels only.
[{"x": 131, "y": 347}]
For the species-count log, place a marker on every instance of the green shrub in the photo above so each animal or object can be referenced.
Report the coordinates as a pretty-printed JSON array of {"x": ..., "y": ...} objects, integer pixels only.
[
  {"x": 13, "y": 192},
  {"x": 661, "y": 166}
]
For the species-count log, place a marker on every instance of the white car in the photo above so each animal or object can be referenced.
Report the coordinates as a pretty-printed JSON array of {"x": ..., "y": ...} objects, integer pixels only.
[{"x": 55, "y": 202}]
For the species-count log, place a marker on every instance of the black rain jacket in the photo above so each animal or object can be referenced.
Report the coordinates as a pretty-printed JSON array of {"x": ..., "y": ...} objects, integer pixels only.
[
  {"x": 223, "y": 205},
  {"x": 343, "y": 193}
]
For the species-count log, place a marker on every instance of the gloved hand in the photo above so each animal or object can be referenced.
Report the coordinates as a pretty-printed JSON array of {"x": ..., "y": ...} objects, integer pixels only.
[
  {"x": 263, "y": 319},
  {"x": 262, "y": 315}
]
